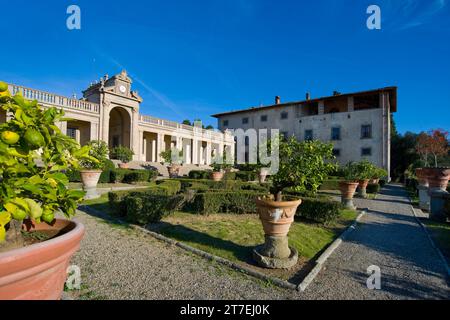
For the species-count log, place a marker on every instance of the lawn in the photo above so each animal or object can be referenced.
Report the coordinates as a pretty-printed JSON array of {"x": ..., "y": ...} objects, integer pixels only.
[
  {"x": 234, "y": 236},
  {"x": 440, "y": 232}
]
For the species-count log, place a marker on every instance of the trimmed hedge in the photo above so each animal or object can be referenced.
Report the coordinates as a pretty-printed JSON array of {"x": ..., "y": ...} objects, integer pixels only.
[
  {"x": 320, "y": 210},
  {"x": 171, "y": 187},
  {"x": 223, "y": 202},
  {"x": 373, "y": 188},
  {"x": 146, "y": 208},
  {"x": 246, "y": 176},
  {"x": 116, "y": 201},
  {"x": 199, "y": 174}
]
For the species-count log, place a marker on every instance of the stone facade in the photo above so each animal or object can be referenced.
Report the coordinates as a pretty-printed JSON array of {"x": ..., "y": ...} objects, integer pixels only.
[
  {"x": 358, "y": 124},
  {"x": 109, "y": 111}
]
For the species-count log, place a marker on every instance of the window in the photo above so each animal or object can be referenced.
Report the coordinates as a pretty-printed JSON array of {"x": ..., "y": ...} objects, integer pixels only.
[
  {"x": 244, "y": 120},
  {"x": 366, "y": 152},
  {"x": 264, "y": 118},
  {"x": 71, "y": 132},
  {"x": 308, "y": 135},
  {"x": 366, "y": 131},
  {"x": 335, "y": 133},
  {"x": 225, "y": 123},
  {"x": 336, "y": 152},
  {"x": 284, "y": 115}
]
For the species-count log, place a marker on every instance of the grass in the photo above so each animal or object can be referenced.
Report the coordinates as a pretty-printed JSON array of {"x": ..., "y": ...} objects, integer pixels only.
[
  {"x": 440, "y": 232},
  {"x": 78, "y": 185},
  {"x": 234, "y": 236}
]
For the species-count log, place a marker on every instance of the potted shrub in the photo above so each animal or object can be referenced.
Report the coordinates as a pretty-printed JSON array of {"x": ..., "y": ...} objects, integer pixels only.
[
  {"x": 124, "y": 154},
  {"x": 377, "y": 175},
  {"x": 365, "y": 171},
  {"x": 220, "y": 166},
  {"x": 302, "y": 166},
  {"x": 91, "y": 169},
  {"x": 348, "y": 185},
  {"x": 174, "y": 158},
  {"x": 31, "y": 196}
]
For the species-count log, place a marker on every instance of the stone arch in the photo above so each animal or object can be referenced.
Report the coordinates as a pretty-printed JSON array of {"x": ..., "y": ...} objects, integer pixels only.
[{"x": 119, "y": 128}]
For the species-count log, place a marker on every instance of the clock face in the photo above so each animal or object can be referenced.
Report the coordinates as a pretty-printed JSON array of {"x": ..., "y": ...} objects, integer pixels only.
[{"x": 122, "y": 89}]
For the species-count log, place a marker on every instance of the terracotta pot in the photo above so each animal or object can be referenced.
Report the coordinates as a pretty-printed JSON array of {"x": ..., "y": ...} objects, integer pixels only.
[
  {"x": 421, "y": 177},
  {"x": 277, "y": 216},
  {"x": 90, "y": 178},
  {"x": 263, "y": 173},
  {"x": 174, "y": 170},
  {"x": 124, "y": 165},
  {"x": 348, "y": 188},
  {"x": 374, "y": 181},
  {"x": 38, "y": 271},
  {"x": 437, "y": 177},
  {"x": 217, "y": 175}
]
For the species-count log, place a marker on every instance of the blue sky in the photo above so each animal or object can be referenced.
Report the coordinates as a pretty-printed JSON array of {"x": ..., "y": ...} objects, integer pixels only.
[{"x": 191, "y": 59}]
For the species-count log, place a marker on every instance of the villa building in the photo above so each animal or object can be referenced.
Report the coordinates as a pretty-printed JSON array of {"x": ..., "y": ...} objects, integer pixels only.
[
  {"x": 358, "y": 124},
  {"x": 109, "y": 111}
]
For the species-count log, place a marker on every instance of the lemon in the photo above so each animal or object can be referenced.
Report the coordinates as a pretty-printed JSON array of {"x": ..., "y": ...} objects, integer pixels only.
[
  {"x": 3, "y": 86},
  {"x": 10, "y": 137},
  {"x": 34, "y": 138}
]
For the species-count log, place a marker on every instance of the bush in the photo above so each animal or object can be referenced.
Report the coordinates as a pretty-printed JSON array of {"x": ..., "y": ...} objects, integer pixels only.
[
  {"x": 171, "y": 187},
  {"x": 320, "y": 210},
  {"x": 117, "y": 203},
  {"x": 199, "y": 174},
  {"x": 118, "y": 175},
  {"x": 382, "y": 183},
  {"x": 246, "y": 176},
  {"x": 122, "y": 153},
  {"x": 105, "y": 177},
  {"x": 108, "y": 165},
  {"x": 224, "y": 202},
  {"x": 144, "y": 208},
  {"x": 73, "y": 175},
  {"x": 229, "y": 175},
  {"x": 373, "y": 188}
]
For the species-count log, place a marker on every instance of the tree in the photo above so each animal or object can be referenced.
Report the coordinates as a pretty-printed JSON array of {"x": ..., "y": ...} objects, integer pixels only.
[
  {"x": 403, "y": 154},
  {"x": 187, "y": 122},
  {"x": 423, "y": 147},
  {"x": 438, "y": 144}
]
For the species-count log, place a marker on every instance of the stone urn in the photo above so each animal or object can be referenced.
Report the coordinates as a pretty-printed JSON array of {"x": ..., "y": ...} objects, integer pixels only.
[
  {"x": 263, "y": 173},
  {"x": 39, "y": 271},
  {"x": 174, "y": 170},
  {"x": 276, "y": 218},
  {"x": 124, "y": 165},
  {"x": 424, "y": 197},
  {"x": 217, "y": 175},
  {"x": 89, "y": 179},
  {"x": 348, "y": 189},
  {"x": 362, "y": 187}
]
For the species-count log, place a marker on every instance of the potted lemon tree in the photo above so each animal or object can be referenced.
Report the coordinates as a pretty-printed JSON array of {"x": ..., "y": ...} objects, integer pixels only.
[
  {"x": 124, "y": 154},
  {"x": 349, "y": 184},
  {"x": 92, "y": 167},
  {"x": 35, "y": 243},
  {"x": 173, "y": 157},
  {"x": 302, "y": 167}
]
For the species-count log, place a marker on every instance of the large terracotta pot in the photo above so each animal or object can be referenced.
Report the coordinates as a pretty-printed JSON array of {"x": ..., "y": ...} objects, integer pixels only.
[
  {"x": 362, "y": 187},
  {"x": 89, "y": 179},
  {"x": 217, "y": 175},
  {"x": 38, "y": 271},
  {"x": 277, "y": 216},
  {"x": 437, "y": 177},
  {"x": 421, "y": 177},
  {"x": 263, "y": 173},
  {"x": 374, "y": 181},
  {"x": 174, "y": 170},
  {"x": 348, "y": 188}
]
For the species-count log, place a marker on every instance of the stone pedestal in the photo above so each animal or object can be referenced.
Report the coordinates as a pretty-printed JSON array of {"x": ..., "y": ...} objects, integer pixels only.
[
  {"x": 362, "y": 192},
  {"x": 348, "y": 203},
  {"x": 91, "y": 193},
  {"x": 275, "y": 253},
  {"x": 424, "y": 198},
  {"x": 437, "y": 204}
]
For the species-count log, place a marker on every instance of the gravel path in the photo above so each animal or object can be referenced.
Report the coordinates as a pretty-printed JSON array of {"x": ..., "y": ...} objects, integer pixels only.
[
  {"x": 389, "y": 237},
  {"x": 121, "y": 263}
]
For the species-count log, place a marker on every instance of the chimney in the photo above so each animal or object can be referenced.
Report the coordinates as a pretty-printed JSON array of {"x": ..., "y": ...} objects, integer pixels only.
[
  {"x": 277, "y": 100},
  {"x": 308, "y": 96}
]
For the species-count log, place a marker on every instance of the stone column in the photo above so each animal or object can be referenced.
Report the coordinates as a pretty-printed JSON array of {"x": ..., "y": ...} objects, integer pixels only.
[
  {"x": 195, "y": 151},
  {"x": 144, "y": 149},
  {"x": 161, "y": 146},
  {"x": 208, "y": 153},
  {"x": 94, "y": 131},
  {"x": 154, "y": 156},
  {"x": 78, "y": 135}
]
